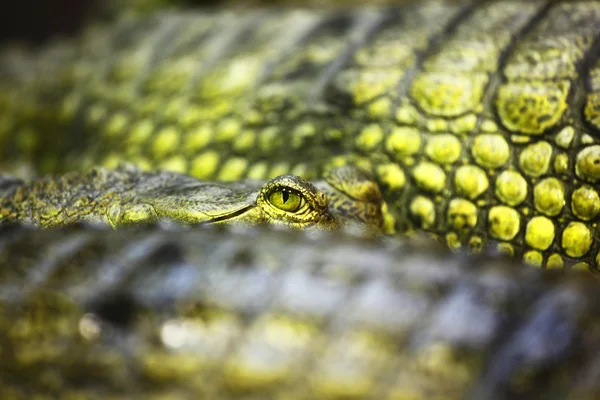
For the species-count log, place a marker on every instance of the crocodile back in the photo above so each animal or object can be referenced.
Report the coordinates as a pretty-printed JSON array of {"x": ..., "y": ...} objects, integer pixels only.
[{"x": 249, "y": 314}]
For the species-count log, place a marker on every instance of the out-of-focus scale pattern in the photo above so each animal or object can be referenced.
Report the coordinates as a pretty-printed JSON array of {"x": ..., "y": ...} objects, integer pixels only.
[
  {"x": 215, "y": 314},
  {"x": 479, "y": 119}
]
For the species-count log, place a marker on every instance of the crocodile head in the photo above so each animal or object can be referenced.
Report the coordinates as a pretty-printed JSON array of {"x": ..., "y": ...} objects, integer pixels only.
[{"x": 345, "y": 196}]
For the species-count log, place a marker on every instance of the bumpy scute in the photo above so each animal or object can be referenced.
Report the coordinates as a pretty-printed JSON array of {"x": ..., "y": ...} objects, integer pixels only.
[
  {"x": 504, "y": 222},
  {"x": 403, "y": 142},
  {"x": 462, "y": 215},
  {"x": 587, "y": 163},
  {"x": 443, "y": 148},
  {"x": 535, "y": 159},
  {"x": 592, "y": 110},
  {"x": 511, "y": 188},
  {"x": 532, "y": 108},
  {"x": 539, "y": 233},
  {"x": 490, "y": 150},
  {"x": 585, "y": 203},
  {"x": 422, "y": 210},
  {"x": 429, "y": 177},
  {"x": 448, "y": 95},
  {"x": 549, "y": 196},
  {"x": 470, "y": 181},
  {"x": 576, "y": 239}
]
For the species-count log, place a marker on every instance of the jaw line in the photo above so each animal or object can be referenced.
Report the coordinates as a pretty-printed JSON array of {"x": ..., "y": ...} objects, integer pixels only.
[{"x": 229, "y": 216}]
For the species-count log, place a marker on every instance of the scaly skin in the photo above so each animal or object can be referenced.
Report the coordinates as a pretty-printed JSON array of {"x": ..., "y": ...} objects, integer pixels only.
[
  {"x": 462, "y": 124},
  {"x": 215, "y": 314},
  {"x": 128, "y": 195},
  {"x": 478, "y": 120}
]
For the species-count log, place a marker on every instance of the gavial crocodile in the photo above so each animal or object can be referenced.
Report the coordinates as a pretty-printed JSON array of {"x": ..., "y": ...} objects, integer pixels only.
[
  {"x": 473, "y": 121},
  {"x": 347, "y": 196}
]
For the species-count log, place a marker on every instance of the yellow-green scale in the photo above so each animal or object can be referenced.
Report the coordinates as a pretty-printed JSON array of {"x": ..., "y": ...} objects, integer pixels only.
[{"x": 506, "y": 180}]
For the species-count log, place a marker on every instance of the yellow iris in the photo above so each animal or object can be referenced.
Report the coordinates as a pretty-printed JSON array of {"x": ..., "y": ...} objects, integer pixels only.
[{"x": 286, "y": 199}]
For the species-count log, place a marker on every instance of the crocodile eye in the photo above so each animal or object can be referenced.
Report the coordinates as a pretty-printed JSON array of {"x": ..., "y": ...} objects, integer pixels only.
[
  {"x": 286, "y": 199},
  {"x": 290, "y": 200}
]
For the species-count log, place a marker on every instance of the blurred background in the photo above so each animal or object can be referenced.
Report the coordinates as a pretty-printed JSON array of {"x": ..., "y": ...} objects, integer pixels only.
[{"x": 36, "y": 20}]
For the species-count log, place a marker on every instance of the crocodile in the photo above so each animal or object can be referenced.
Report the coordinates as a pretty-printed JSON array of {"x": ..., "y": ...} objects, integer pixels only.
[
  {"x": 347, "y": 197},
  {"x": 253, "y": 313},
  {"x": 479, "y": 120}
]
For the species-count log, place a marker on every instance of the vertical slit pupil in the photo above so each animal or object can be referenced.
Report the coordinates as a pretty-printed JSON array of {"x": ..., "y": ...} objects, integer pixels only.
[{"x": 285, "y": 195}]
